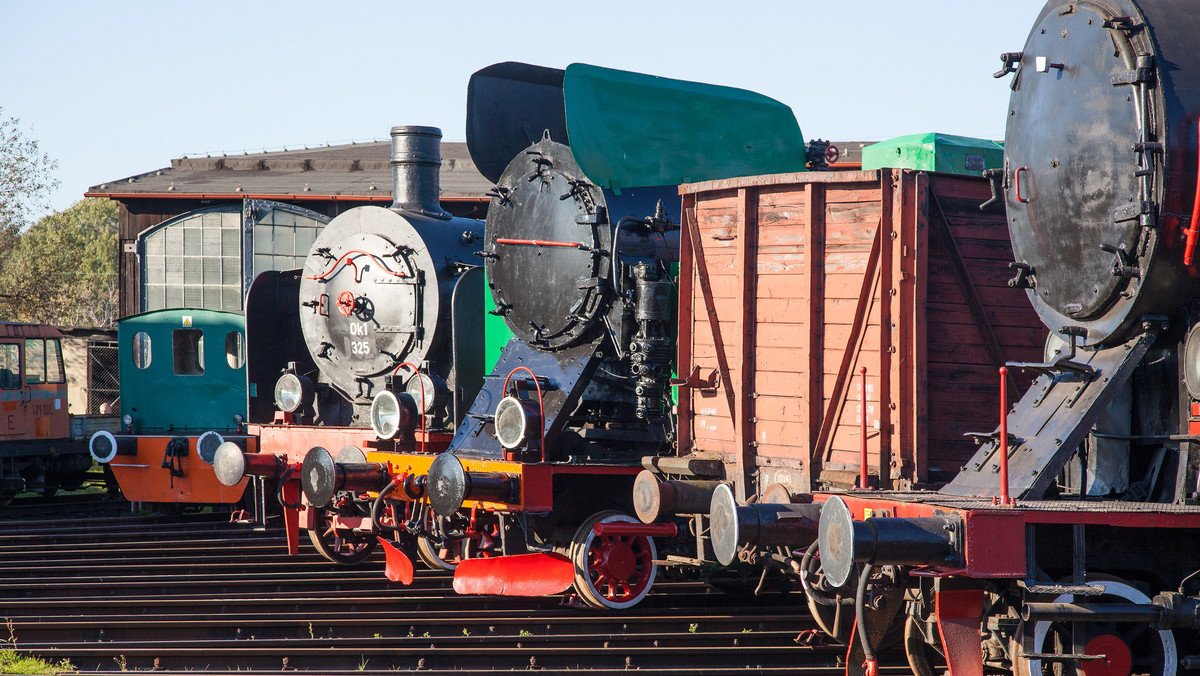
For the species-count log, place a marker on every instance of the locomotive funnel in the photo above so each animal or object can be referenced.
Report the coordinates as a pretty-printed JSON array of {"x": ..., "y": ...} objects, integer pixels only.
[
  {"x": 731, "y": 526},
  {"x": 926, "y": 541},
  {"x": 416, "y": 161}
]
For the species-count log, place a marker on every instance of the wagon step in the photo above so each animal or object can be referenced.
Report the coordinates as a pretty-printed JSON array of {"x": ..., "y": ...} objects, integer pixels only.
[
  {"x": 1060, "y": 589},
  {"x": 1060, "y": 657}
]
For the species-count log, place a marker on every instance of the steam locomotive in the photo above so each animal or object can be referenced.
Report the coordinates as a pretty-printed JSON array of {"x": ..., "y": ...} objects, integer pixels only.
[
  {"x": 385, "y": 324},
  {"x": 1066, "y": 541}
]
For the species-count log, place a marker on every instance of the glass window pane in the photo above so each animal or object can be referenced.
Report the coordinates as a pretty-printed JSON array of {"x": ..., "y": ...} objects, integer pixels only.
[
  {"x": 156, "y": 298},
  {"x": 54, "y": 362},
  {"x": 192, "y": 241},
  {"x": 35, "y": 361},
  {"x": 193, "y": 296},
  {"x": 231, "y": 243},
  {"x": 141, "y": 350},
  {"x": 10, "y": 366},
  {"x": 235, "y": 350},
  {"x": 187, "y": 347}
]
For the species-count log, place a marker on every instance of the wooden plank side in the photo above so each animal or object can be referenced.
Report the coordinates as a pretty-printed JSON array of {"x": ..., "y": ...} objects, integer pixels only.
[
  {"x": 743, "y": 345},
  {"x": 918, "y": 472},
  {"x": 889, "y": 271},
  {"x": 812, "y": 388},
  {"x": 840, "y": 369},
  {"x": 685, "y": 334}
]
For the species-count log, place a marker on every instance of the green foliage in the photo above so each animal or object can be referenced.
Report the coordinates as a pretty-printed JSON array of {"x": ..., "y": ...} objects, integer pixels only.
[
  {"x": 63, "y": 270},
  {"x": 13, "y": 663},
  {"x": 25, "y": 178}
]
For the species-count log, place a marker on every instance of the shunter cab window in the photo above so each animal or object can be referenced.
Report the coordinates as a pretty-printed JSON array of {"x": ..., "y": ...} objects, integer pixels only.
[
  {"x": 187, "y": 345},
  {"x": 235, "y": 350},
  {"x": 35, "y": 361},
  {"x": 141, "y": 350},
  {"x": 55, "y": 373},
  {"x": 10, "y": 366}
]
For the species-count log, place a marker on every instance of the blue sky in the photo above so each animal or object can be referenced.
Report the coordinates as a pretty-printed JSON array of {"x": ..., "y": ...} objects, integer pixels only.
[{"x": 112, "y": 89}]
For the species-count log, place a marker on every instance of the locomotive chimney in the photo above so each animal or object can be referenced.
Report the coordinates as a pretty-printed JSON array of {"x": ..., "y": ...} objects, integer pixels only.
[{"x": 416, "y": 161}]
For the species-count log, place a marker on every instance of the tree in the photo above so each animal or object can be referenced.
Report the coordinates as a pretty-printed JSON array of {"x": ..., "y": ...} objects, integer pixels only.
[
  {"x": 63, "y": 270},
  {"x": 25, "y": 178}
]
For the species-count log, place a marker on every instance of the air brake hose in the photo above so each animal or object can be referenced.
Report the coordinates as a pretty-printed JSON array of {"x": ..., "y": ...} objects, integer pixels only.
[
  {"x": 283, "y": 477},
  {"x": 870, "y": 663},
  {"x": 805, "y": 569},
  {"x": 377, "y": 506}
]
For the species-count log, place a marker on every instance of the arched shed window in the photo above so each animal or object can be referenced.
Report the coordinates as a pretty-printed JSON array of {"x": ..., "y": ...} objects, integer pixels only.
[{"x": 207, "y": 258}]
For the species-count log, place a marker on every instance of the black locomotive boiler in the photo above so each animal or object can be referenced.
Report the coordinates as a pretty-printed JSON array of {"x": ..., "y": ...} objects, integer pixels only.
[{"x": 1068, "y": 542}]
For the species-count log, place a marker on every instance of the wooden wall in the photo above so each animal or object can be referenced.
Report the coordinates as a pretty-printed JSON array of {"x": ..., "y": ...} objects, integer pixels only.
[{"x": 798, "y": 281}]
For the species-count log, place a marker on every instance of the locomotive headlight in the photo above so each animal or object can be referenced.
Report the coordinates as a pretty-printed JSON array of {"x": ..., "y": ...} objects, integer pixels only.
[
  {"x": 127, "y": 421},
  {"x": 103, "y": 446},
  {"x": 207, "y": 445},
  {"x": 516, "y": 421},
  {"x": 1055, "y": 347},
  {"x": 293, "y": 392},
  {"x": 390, "y": 414},
  {"x": 1191, "y": 362},
  {"x": 423, "y": 390}
]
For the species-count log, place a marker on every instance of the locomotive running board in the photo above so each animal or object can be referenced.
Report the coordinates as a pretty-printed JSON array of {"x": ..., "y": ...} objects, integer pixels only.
[
  {"x": 517, "y": 575},
  {"x": 1056, "y": 415}
]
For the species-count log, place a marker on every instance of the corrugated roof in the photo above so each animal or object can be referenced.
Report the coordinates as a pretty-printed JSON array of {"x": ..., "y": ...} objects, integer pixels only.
[{"x": 351, "y": 170}]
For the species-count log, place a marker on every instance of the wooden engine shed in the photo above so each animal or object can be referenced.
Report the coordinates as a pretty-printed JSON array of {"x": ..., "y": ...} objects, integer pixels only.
[{"x": 794, "y": 282}]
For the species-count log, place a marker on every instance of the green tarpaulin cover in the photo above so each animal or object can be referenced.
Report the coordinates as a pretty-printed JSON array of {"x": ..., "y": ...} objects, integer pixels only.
[
  {"x": 633, "y": 130},
  {"x": 935, "y": 152}
]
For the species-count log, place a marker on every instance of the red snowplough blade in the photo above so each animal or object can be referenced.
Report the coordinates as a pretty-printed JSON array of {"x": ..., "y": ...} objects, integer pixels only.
[
  {"x": 399, "y": 567},
  {"x": 519, "y": 575}
]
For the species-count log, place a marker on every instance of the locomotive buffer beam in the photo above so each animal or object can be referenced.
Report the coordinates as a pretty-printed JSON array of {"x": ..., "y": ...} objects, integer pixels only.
[{"x": 1056, "y": 414}]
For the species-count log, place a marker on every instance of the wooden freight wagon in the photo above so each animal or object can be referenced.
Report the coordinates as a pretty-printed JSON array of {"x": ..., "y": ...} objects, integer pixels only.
[{"x": 797, "y": 281}]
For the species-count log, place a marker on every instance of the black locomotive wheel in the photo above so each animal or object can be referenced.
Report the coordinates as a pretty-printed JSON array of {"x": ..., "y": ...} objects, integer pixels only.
[
  {"x": 917, "y": 647},
  {"x": 340, "y": 545},
  {"x": 1128, "y": 648},
  {"x": 612, "y": 571},
  {"x": 440, "y": 556}
]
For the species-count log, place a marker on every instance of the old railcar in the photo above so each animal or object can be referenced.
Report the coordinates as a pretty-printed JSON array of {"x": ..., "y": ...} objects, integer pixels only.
[
  {"x": 837, "y": 330},
  {"x": 37, "y": 452},
  {"x": 183, "y": 394}
]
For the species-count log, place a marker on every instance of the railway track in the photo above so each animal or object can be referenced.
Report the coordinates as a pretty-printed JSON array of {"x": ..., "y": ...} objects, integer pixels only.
[{"x": 150, "y": 593}]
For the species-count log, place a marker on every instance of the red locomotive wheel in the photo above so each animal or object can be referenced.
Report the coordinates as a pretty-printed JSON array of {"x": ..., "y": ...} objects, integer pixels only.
[
  {"x": 340, "y": 545},
  {"x": 612, "y": 571},
  {"x": 1117, "y": 660},
  {"x": 1127, "y": 647}
]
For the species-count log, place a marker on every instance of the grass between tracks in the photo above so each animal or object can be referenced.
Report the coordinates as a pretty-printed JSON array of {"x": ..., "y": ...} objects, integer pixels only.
[{"x": 13, "y": 663}]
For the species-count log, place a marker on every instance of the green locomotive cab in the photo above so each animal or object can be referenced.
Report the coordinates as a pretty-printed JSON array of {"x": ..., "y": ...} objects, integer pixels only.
[{"x": 183, "y": 393}]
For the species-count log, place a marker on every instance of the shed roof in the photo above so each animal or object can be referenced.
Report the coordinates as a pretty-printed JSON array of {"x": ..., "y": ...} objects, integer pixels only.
[{"x": 357, "y": 170}]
